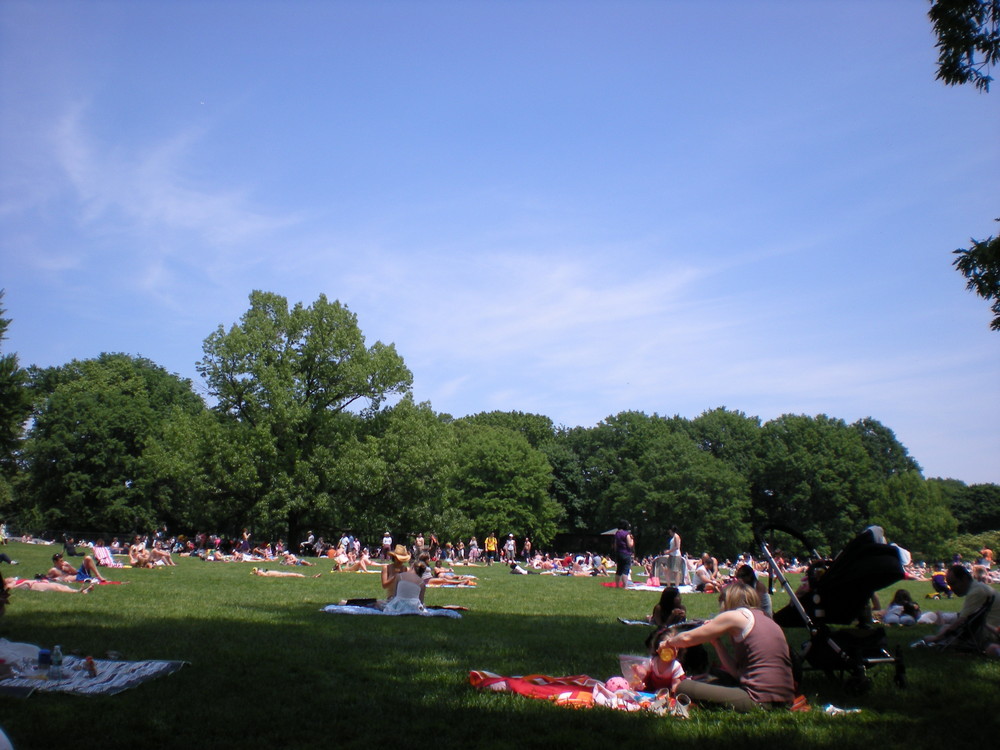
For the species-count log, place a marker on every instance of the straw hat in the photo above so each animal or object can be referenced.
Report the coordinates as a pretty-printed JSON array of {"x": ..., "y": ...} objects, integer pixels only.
[{"x": 399, "y": 554}]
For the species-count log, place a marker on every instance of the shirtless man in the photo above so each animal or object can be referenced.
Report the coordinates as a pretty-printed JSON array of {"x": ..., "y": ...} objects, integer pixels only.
[{"x": 63, "y": 572}]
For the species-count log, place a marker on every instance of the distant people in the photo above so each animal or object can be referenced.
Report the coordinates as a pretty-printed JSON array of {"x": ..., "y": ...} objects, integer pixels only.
[
  {"x": 939, "y": 580},
  {"x": 42, "y": 584},
  {"x": 491, "y": 548},
  {"x": 473, "y": 550},
  {"x": 386, "y": 546},
  {"x": 307, "y": 546},
  {"x": 624, "y": 547},
  {"x": 510, "y": 549},
  {"x": 703, "y": 579},
  {"x": 264, "y": 572},
  {"x": 675, "y": 559},
  {"x": 526, "y": 549}
]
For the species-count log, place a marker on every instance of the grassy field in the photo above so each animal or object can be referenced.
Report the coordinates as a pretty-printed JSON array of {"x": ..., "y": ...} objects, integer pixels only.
[{"x": 268, "y": 669}]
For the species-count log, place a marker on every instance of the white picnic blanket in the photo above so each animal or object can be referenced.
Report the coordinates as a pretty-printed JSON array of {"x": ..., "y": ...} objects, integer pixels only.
[{"x": 112, "y": 676}]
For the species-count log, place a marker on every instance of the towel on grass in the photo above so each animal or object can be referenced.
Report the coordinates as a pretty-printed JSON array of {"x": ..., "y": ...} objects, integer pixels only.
[
  {"x": 576, "y": 691},
  {"x": 112, "y": 678},
  {"x": 646, "y": 587},
  {"x": 353, "y": 609}
]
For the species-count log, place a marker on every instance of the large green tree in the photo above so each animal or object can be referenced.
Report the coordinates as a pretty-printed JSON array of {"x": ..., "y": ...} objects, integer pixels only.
[
  {"x": 294, "y": 376},
  {"x": 84, "y": 465},
  {"x": 500, "y": 483},
  {"x": 914, "y": 514},
  {"x": 814, "y": 474},
  {"x": 889, "y": 456}
]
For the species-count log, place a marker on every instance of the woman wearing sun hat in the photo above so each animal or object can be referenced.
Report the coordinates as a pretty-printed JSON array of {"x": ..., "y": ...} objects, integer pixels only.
[{"x": 399, "y": 558}]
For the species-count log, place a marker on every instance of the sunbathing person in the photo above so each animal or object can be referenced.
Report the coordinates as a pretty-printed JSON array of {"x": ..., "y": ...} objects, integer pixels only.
[
  {"x": 45, "y": 585},
  {"x": 64, "y": 572},
  {"x": 138, "y": 555},
  {"x": 353, "y": 564},
  {"x": 158, "y": 555},
  {"x": 287, "y": 558},
  {"x": 279, "y": 573}
]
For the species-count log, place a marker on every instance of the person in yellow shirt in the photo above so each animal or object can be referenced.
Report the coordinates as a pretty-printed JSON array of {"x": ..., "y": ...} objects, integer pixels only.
[{"x": 491, "y": 548}]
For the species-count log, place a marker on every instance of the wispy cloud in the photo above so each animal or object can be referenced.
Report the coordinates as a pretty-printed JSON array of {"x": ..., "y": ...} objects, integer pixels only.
[{"x": 148, "y": 187}]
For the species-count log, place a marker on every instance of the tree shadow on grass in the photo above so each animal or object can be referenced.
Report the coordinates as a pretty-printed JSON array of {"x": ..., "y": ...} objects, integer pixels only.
[{"x": 297, "y": 676}]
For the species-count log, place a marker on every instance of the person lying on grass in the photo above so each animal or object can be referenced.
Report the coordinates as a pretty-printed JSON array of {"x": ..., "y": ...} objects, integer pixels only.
[
  {"x": 63, "y": 572},
  {"x": 42, "y": 584},
  {"x": 279, "y": 573},
  {"x": 758, "y": 673},
  {"x": 287, "y": 558}
]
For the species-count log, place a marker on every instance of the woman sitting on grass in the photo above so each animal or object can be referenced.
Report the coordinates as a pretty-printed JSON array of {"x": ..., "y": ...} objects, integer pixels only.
[
  {"x": 902, "y": 610},
  {"x": 409, "y": 596},
  {"x": 669, "y": 610},
  {"x": 759, "y": 673}
]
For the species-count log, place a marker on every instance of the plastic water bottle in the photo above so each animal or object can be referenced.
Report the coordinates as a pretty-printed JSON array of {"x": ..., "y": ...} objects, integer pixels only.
[{"x": 56, "y": 670}]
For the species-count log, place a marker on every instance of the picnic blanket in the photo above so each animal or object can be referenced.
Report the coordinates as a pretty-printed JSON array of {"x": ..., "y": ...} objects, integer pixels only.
[
  {"x": 646, "y": 587},
  {"x": 354, "y": 609},
  {"x": 112, "y": 676},
  {"x": 575, "y": 691}
]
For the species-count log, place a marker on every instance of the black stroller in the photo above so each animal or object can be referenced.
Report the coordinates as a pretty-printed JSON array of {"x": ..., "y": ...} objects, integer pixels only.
[{"x": 837, "y": 592}]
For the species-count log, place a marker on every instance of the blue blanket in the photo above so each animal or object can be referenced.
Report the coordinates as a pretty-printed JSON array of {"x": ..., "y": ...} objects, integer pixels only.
[{"x": 351, "y": 609}]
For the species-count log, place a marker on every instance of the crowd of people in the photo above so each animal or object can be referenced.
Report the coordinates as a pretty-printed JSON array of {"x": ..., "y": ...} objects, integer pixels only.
[{"x": 754, "y": 663}]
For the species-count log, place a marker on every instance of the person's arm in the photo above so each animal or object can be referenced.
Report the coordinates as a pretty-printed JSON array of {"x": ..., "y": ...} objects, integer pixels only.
[
  {"x": 725, "y": 622},
  {"x": 387, "y": 576},
  {"x": 630, "y": 540}
]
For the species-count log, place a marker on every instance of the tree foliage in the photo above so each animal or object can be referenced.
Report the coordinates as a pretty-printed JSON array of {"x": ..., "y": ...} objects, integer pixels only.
[
  {"x": 980, "y": 264},
  {"x": 968, "y": 40},
  {"x": 15, "y": 405},
  {"x": 814, "y": 474},
  {"x": 84, "y": 452},
  {"x": 289, "y": 377}
]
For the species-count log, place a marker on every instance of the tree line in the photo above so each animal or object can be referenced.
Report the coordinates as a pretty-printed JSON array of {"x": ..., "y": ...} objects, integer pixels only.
[{"x": 311, "y": 428}]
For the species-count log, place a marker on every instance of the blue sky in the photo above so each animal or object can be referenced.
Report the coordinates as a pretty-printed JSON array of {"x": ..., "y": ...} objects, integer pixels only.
[{"x": 565, "y": 208}]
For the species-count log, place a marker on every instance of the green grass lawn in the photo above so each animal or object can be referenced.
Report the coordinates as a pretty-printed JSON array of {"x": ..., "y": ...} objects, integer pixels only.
[{"x": 268, "y": 669}]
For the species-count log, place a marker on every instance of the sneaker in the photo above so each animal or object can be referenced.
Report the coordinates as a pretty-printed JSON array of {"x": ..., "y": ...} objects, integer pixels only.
[{"x": 14, "y": 562}]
